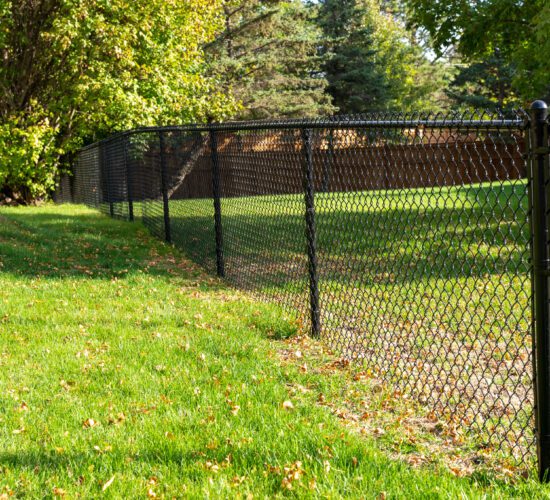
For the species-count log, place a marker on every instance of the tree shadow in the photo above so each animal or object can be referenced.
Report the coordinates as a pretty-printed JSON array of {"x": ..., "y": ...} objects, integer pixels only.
[
  {"x": 483, "y": 232},
  {"x": 53, "y": 245}
]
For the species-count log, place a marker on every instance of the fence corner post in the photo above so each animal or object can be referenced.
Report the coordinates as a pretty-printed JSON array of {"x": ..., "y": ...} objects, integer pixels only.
[
  {"x": 216, "y": 194},
  {"x": 311, "y": 233},
  {"x": 164, "y": 187},
  {"x": 540, "y": 176}
]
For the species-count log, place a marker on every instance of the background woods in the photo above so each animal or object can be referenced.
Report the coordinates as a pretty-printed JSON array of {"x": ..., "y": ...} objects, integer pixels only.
[{"x": 75, "y": 71}]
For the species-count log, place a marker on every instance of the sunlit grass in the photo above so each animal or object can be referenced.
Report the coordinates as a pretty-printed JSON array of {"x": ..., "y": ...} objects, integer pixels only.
[{"x": 126, "y": 372}]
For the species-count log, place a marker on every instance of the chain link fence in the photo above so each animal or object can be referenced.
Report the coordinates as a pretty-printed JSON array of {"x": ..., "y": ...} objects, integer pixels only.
[{"x": 403, "y": 242}]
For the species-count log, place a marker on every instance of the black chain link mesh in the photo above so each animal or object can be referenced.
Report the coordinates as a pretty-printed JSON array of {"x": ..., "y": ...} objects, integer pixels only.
[{"x": 402, "y": 241}]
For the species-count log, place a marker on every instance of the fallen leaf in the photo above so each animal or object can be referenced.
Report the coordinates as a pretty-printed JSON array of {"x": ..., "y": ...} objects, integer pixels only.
[
  {"x": 90, "y": 422},
  {"x": 287, "y": 405},
  {"x": 108, "y": 483},
  {"x": 212, "y": 466}
]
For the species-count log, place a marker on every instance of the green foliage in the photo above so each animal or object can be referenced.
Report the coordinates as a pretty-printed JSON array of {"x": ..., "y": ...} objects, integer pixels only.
[
  {"x": 79, "y": 69},
  {"x": 518, "y": 29},
  {"x": 486, "y": 84},
  {"x": 266, "y": 58},
  {"x": 24, "y": 146},
  {"x": 356, "y": 82},
  {"x": 374, "y": 63}
]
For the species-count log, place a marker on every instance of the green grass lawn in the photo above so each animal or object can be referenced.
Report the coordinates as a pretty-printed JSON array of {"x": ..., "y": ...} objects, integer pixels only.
[
  {"x": 429, "y": 288},
  {"x": 126, "y": 372}
]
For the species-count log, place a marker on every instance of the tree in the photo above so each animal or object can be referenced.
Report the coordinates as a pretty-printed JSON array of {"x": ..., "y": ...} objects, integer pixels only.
[
  {"x": 518, "y": 29},
  {"x": 75, "y": 70},
  {"x": 374, "y": 63},
  {"x": 266, "y": 58},
  {"x": 485, "y": 84},
  {"x": 356, "y": 82}
]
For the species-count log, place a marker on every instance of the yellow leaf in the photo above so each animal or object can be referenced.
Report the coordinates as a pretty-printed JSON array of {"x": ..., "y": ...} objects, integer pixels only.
[{"x": 90, "y": 422}]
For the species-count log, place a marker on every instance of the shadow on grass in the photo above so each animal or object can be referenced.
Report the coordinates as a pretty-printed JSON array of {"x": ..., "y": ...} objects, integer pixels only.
[
  {"x": 485, "y": 232},
  {"x": 482, "y": 231},
  {"x": 53, "y": 245},
  {"x": 192, "y": 461}
]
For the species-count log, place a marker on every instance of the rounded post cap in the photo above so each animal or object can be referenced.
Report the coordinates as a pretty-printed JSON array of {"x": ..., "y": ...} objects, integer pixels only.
[{"x": 539, "y": 105}]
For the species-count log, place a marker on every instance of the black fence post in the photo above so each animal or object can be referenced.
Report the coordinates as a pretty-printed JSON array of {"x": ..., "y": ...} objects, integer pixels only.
[
  {"x": 216, "y": 193},
  {"x": 164, "y": 187},
  {"x": 327, "y": 163},
  {"x": 540, "y": 176},
  {"x": 129, "y": 181},
  {"x": 106, "y": 174},
  {"x": 311, "y": 234}
]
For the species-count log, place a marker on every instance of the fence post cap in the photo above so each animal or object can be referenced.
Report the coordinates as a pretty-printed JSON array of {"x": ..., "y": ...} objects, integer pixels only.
[{"x": 538, "y": 105}]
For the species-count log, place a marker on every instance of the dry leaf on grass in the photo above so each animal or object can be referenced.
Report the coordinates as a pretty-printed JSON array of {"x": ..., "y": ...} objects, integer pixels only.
[
  {"x": 89, "y": 422},
  {"x": 108, "y": 483},
  {"x": 287, "y": 405}
]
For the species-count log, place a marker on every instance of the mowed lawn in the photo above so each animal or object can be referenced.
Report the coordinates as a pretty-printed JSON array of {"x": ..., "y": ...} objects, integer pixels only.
[
  {"x": 430, "y": 288},
  {"x": 128, "y": 373}
]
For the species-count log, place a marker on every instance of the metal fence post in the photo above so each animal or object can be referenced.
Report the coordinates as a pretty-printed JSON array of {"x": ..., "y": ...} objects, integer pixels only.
[
  {"x": 216, "y": 192},
  {"x": 106, "y": 174},
  {"x": 540, "y": 176},
  {"x": 164, "y": 187},
  {"x": 311, "y": 235},
  {"x": 129, "y": 193},
  {"x": 327, "y": 163}
]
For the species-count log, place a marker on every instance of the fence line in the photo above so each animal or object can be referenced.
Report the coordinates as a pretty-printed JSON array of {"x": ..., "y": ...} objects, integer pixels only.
[{"x": 403, "y": 242}]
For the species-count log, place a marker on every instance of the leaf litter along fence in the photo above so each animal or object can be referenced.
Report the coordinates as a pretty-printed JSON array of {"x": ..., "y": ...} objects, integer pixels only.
[{"x": 404, "y": 242}]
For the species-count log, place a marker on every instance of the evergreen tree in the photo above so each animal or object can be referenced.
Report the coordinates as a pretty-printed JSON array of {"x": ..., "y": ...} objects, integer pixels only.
[
  {"x": 266, "y": 57},
  {"x": 356, "y": 82},
  {"x": 374, "y": 62},
  {"x": 486, "y": 84}
]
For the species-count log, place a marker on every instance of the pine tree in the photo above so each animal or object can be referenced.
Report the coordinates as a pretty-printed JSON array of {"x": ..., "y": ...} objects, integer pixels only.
[
  {"x": 356, "y": 82},
  {"x": 267, "y": 58},
  {"x": 373, "y": 61},
  {"x": 486, "y": 84}
]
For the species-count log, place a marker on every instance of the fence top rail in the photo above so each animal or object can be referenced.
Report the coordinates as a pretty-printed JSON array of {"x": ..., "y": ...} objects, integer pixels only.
[{"x": 487, "y": 121}]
